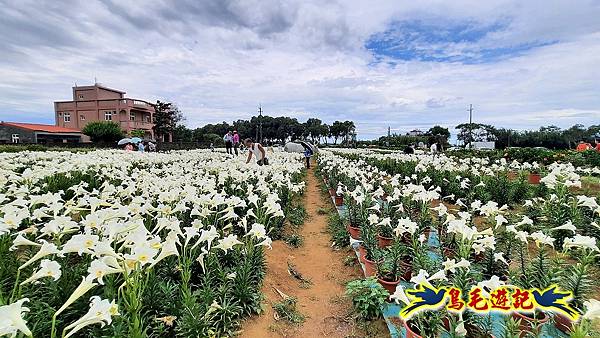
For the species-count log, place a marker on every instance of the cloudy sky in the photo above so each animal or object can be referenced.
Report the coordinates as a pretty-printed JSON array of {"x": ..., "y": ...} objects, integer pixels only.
[{"x": 406, "y": 64}]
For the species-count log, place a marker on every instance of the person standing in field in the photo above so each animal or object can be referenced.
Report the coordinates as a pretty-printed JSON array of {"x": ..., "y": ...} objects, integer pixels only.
[
  {"x": 129, "y": 147},
  {"x": 141, "y": 147},
  {"x": 236, "y": 142},
  {"x": 257, "y": 150},
  {"x": 307, "y": 154},
  {"x": 228, "y": 138},
  {"x": 433, "y": 148}
]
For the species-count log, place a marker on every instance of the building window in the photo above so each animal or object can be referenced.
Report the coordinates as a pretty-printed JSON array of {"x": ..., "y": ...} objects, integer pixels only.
[
  {"x": 67, "y": 117},
  {"x": 59, "y": 113},
  {"x": 131, "y": 116},
  {"x": 82, "y": 117},
  {"x": 148, "y": 118},
  {"x": 15, "y": 138},
  {"x": 80, "y": 96},
  {"x": 108, "y": 116}
]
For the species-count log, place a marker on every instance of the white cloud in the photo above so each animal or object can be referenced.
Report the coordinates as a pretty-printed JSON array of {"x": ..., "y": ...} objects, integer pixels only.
[{"x": 218, "y": 59}]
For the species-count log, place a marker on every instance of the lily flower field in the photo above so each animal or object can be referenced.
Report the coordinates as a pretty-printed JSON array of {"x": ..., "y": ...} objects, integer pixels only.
[
  {"x": 114, "y": 244},
  {"x": 463, "y": 223},
  {"x": 108, "y": 243}
]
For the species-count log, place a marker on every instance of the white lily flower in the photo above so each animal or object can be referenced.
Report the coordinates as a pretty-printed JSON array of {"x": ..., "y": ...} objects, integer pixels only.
[
  {"x": 420, "y": 278},
  {"x": 451, "y": 265},
  {"x": 490, "y": 285},
  {"x": 102, "y": 267},
  {"x": 101, "y": 312},
  {"x": 20, "y": 240},
  {"x": 499, "y": 256},
  {"x": 541, "y": 238},
  {"x": 438, "y": 275},
  {"x": 579, "y": 241},
  {"x": 11, "y": 319},
  {"x": 80, "y": 243},
  {"x": 228, "y": 243},
  {"x": 592, "y": 309},
  {"x": 45, "y": 250},
  {"x": 373, "y": 219},
  {"x": 87, "y": 283},
  {"x": 48, "y": 268},
  {"x": 567, "y": 226},
  {"x": 258, "y": 231},
  {"x": 399, "y": 295}
]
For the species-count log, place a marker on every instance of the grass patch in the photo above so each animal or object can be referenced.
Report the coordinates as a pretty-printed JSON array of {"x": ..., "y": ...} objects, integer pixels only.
[
  {"x": 350, "y": 261},
  {"x": 322, "y": 211},
  {"x": 337, "y": 229},
  {"x": 297, "y": 215},
  {"x": 294, "y": 240},
  {"x": 287, "y": 310}
]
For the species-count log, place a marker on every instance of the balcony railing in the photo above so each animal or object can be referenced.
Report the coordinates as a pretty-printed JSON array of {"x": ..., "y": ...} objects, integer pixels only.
[
  {"x": 136, "y": 124},
  {"x": 106, "y": 103},
  {"x": 140, "y": 103}
]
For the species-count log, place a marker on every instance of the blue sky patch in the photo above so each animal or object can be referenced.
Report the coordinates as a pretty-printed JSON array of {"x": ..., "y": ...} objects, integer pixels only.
[{"x": 441, "y": 42}]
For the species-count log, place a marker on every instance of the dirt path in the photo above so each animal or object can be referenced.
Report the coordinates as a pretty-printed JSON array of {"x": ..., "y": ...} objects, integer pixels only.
[{"x": 323, "y": 302}]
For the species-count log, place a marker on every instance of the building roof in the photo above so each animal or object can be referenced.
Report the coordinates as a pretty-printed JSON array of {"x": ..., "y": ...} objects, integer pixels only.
[
  {"x": 48, "y": 128},
  {"x": 99, "y": 86}
]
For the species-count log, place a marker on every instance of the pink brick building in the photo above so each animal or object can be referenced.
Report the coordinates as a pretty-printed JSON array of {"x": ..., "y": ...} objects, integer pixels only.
[{"x": 99, "y": 103}]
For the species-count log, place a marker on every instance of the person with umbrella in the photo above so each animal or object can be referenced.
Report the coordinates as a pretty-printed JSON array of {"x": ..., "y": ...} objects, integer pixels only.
[
  {"x": 308, "y": 152},
  {"x": 127, "y": 142}
]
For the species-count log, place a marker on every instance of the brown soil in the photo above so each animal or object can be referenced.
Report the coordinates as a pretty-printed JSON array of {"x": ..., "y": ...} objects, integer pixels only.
[{"x": 327, "y": 311}]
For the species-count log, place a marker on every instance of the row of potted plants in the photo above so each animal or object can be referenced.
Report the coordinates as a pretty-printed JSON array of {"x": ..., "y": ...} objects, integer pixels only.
[{"x": 394, "y": 216}]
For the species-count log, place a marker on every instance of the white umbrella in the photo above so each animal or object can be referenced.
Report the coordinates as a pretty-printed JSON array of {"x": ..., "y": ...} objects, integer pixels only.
[{"x": 124, "y": 141}]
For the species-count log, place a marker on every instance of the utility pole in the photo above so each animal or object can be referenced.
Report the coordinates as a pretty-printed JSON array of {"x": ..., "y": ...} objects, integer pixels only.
[
  {"x": 387, "y": 142},
  {"x": 470, "y": 125},
  {"x": 259, "y": 137}
]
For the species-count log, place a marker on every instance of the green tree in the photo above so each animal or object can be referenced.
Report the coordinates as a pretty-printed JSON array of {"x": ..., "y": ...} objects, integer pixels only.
[
  {"x": 439, "y": 135},
  {"x": 182, "y": 134},
  {"x": 103, "y": 131},
  {"x": 336, "y": 130},
  {"x": 138, "y": 133},
  {"x": 315, "y": 129},
  {"x": 166, "y": 117},
  {"x": 475, "y": 132},
  {"x": 348, "y": 131}
]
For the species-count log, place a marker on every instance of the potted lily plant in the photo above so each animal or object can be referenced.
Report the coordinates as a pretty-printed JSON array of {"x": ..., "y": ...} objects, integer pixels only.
[
  {"x": 578, "y": 279},
  {"x": 427, "y": 324},
  {"x": 385, "y": 233},
  {"x": 534, "y": 177},
  {"x": 354, "y": 218},
  {"x": 537, "y": 274},
  {"x": 339, "y": 196},
  {"x": 332, "y": 184},
  {"x": 371, "y": 251},
  {"x": 393, "y": 266}
]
